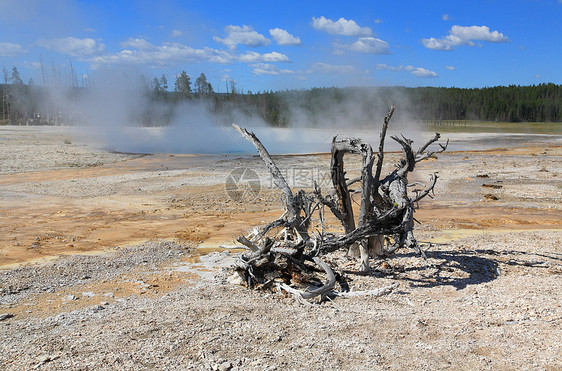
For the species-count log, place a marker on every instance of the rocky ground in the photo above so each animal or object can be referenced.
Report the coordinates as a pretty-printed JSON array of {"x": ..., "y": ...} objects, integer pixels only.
[{"x": 111, "y": 261}]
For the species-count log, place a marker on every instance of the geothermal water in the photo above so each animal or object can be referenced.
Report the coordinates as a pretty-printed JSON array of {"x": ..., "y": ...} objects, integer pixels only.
[{"x": 225, "y": 140}]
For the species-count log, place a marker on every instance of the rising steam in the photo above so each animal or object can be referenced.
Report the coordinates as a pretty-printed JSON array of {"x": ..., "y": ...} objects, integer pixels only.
[{"x": 111, "y": 113}]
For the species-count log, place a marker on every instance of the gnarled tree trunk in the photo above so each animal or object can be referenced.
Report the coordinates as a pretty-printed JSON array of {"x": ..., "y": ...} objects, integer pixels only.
[{"x": 282, "y": 251}]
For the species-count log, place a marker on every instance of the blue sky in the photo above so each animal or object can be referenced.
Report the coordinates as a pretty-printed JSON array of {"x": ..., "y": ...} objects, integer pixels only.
[{"x": 275, "y": 45}]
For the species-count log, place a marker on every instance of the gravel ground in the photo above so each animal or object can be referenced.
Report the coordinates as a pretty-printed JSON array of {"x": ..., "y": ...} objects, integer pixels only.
[
  {"x": 485, "y": 302},
  {"x": 489, "y": 295}
]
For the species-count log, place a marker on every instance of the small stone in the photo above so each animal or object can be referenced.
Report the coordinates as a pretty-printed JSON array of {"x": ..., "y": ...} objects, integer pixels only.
[
  {"x": 235, "y": 279},
  {"x": 69, "y": 298},
  {"x": 97, "y": 308},
  {"x": 225, "y": 366},
  {"x": 44, "y": 359},
  {"x": 5, "y": 316}
]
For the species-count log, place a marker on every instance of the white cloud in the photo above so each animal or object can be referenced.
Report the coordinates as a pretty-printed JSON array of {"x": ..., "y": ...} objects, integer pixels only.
[
  {"x": 137, "y": 43},
  {"x": 331, "y": 68},
  {"x": 539, "y": 76},
  {"x": 378, "y": 20},
  {"x": 252, "y": 57},
  {"x": 140, "y": 51},
  {"x": 176, "y": 33},
  {"x": 268, "y": 69},
  {"x": 445, "y": 17},
  {"x": 340, "y": 27},
  {"x": 416, "y": 71},
  {"x": 244, "y": 35},
  {"x": 73, "y": 46},
  {"x": 11, "y": 50},
  {"x": 459, "y": 35},
  {"x": 282, "y": 37},
  {"x": 32, "y": 65},
  {"x": 382, "y": 66},
  {"x": 421, "y": 72},
  {"x": 450, "y": 68},
  {"x": 369, "y": 45}
]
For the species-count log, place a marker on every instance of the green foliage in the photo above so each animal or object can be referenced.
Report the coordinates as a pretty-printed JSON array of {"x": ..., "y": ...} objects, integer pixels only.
[
  {"x": 156, "y": 87},
  {"x": 182, "y": 86},
  {"x": 16, "y": 79},
  {"x": 310, "y": 107},
  {"x": 536, "y": 103},
  {"x": 202, "y": 86},
  {"x": 164, "y": 82}
]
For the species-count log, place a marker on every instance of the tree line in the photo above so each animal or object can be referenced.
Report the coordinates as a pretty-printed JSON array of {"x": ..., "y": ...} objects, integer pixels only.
[
  {"x": 24, "y": 103},
  {"x": 513, "y": 103}
]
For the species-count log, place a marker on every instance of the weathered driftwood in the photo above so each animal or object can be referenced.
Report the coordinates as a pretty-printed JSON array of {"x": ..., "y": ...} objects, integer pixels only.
[{"x": 281, "y": 252}]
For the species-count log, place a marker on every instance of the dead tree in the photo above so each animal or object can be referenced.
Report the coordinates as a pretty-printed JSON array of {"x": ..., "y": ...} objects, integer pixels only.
[{"x": 287, "y": 251}]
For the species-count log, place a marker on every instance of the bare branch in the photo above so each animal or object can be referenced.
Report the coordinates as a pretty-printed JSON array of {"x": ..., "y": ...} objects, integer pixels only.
[
  {"x": 420, "y": 155},
  {"x": 319, "y": 291},
  {"x": 374, "y": 293},
  {"x": 380, "y": 155},
  {"x": 278, "y": 178},
  {"x": 249, "y": 244},
  {"x": 409, "y": 161},
  {"x": 428, "y": 189}
]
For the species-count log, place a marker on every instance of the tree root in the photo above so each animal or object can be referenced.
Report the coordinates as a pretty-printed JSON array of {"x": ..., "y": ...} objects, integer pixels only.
[{"x": 277, "y": 252}]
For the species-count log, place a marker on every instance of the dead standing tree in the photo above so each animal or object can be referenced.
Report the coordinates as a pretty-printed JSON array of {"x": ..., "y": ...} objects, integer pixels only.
[{"x": 281, "y": 251}]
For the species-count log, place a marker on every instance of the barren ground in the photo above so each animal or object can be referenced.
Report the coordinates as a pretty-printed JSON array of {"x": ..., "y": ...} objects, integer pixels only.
[{"x": 111, "y": 261}]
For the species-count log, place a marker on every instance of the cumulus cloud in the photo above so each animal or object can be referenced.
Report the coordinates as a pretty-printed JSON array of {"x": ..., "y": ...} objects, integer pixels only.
[
  {"x": 340, "y": 27},
  {"x": 459, "y": 35},
  {"x": 11, "y": 50},
  {"x": 73, "y": 46},
  {"x": 370, "y": 45},
  {"x": 138, "y": 43},
  {"x": 251, "y": 57},
  {"x": 382, "y": 66},
  {"x": 140, "y": 51},
  {"x": 176, "y": 33},
  {"x": 450, "y": 68},
  {"x": 282, "y": 37},
  {"x": 244, "y": 35},
  {"x": 416, "y": 71},
  {"x": 170, "y": 52},
  {"x": 421, "y": 72},
  {"x": 445, "y": 17},
  {"x": 268, "y": 69}
]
